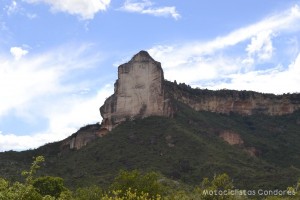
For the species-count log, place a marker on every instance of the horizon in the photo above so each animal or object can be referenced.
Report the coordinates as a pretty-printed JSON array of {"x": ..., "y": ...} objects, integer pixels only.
[{"x": 58, "y": 61}]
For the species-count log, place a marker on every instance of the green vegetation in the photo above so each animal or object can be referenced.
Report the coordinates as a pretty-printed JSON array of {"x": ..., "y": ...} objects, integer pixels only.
[
  {"x": 182, "y": 151},
  {"x": 128, "y": 185},
  {"x": 185, "y": 148},
  {"x": 173, "y": 88},
  {"x": 142, "y": 184}
]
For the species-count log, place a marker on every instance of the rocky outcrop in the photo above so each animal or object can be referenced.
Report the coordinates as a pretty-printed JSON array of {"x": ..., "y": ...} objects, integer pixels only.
[
  {"x": 141, "y": 91},
  {"x": 252, "y": 151},
  {"x": 231, "y": 101},
  {"x": 138, "y": 92},
  {"x": 82, "y": 137},
  {"x": 231, "y": 138}
]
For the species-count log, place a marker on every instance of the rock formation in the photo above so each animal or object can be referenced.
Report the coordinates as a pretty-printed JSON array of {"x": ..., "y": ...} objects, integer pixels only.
[
  {"x": 141, "y": 91},
  {"x": 138, "y": 92},
  {"x": 231, "y": 137},
  {"x": 82, "y": 137},
  {"x": 232, "y": 101}
]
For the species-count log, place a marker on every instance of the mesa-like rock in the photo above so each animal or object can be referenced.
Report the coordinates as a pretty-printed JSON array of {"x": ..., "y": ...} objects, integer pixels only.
[{"x": 141, "y": 91}]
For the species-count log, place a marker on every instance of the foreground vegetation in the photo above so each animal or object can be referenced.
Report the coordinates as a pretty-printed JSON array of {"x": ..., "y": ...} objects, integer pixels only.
[{"x": 132, "y": 185}]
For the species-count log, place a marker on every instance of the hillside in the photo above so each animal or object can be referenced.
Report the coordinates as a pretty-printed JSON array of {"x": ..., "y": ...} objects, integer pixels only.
[
  {"x": 186, "y": 147},
  {"x": 185, "y": 134}
]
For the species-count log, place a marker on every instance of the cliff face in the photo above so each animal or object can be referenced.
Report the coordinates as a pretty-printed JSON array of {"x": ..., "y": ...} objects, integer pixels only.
[
  {"x": 82, "y": 137},
  {"x": 138, "y": 92},
  {"x": 141, "y": 91},
  {"x": 227, "y": 101}
]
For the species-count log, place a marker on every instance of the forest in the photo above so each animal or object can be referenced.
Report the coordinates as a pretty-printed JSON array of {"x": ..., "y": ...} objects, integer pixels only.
[{"x": 133, "y": 185}]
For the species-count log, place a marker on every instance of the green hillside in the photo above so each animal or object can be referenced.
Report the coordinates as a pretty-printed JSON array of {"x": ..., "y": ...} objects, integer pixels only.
[{"x": 185, "y": 148}]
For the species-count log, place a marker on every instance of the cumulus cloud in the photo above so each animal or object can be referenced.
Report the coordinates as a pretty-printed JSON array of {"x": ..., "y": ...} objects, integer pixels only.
[
  {"x": 39, "y": 87},
  {"x": 83, "y": 8},
  {"x": 207, "y": 64},
  {"x": 145, "y": 7},
  {"x": 18, "y": 52}
]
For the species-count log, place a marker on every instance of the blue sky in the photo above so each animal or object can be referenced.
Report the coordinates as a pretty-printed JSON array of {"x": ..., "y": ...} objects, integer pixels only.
[{"x": 58, "y": 59}]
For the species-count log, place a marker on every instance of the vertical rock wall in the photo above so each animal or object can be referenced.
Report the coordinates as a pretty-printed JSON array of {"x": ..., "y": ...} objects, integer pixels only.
[{"x": 138, "y": 92}]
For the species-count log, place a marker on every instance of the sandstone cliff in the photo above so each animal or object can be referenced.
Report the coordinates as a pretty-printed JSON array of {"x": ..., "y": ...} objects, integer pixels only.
[
  {"x": 82, "y": 137},
  {"x": 231, "y": 101},
  {"x": 141, "y": 91},
  {"x": 138, "y": 92}
]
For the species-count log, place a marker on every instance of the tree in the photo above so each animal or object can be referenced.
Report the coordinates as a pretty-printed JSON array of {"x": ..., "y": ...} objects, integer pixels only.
[
  {"x": 217, "y": 189},
  {"x": 49, "y": 185},
  {"x": 41, "y": 188},
  {"x": 129, "y": 194},
  {"x": 88, "y": 193},
  {"x": 29, "y": 175},
  {"x": 19, "y": 191},
  {"x": 3, "y": 188},
  {"x": 135, "y": 181}
]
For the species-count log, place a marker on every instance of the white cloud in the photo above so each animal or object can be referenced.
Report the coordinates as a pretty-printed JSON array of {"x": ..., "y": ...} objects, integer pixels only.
[
  {"x": 23, "y": 80},
  {"x": 207, "y": 63},
  {"x": 275, "y": 80},
  {"x": 18, "y": 52},
  {"x": 65, "y": 117},
  {"x": 85, "y": 9},
  {"x": 261, "y": 47},
  {"x": 145, "y": 7},
  {"x": 38, "y": 87},
  {"x": 81, "y": 111},
  {"x": 15, "y": 8},
  {"x": 12, "y": 8}
]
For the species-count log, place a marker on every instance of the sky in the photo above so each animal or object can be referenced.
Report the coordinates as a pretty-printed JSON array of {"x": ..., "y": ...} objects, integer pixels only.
[{"x": 59, "y": 59}]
